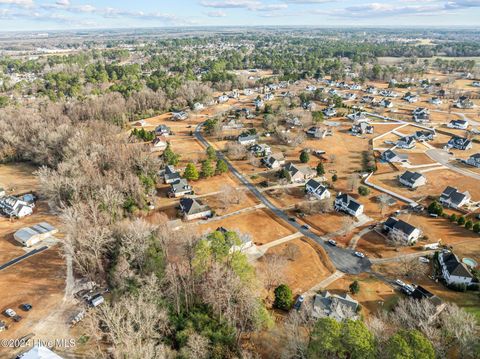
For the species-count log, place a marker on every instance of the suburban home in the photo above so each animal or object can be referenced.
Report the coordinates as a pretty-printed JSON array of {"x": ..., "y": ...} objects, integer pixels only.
[
  {"x": 368, "y": 99},
  {"x": 29, "y": 236},
  {"x": 407, "y": 142},
  {"x": 260, "y": 150},
  {"x": 232, "y": 124},
  {"x": 386, "y": 103},
  {"x": 476, "y": 84},
  {"x": 458, "y": 124},
  {"x": 371, "y": 90},
  {"x": 159, "y": 144},
  {"x": 436, "y": 101},
  {"x": 412, "y": 179},
  {"x": 459, "y": 143},
  {"x": 268, "y": 97},
  {"x": 329, "y": 112},
  {"x": 421, "y": 115},
  {"x": 170, "y": 175},
  {"x": 421, "y": 293},
  {"x": 258, "y": 103},
  {"x": 358, "y": 117},
  {"x": 248, "y": 92},
  {"x": 299, "y": 174},
  {"x": 317, "y": 190},
  {"x": 223, "y": 99},
  {"x": 12, "y": 206},
  {"x": 332, "y": 92},
  {"x": 337, "y": 306},
  {"x": 355, "y": 87},
  {"x": 450, "y": 197},
  {"x": 398, "y": 229},
  {"x": 274, "y": 161},
  {"x": 474, "y": 160},
  {"x": 361, "y": 128},
  {"x": 180, "y": 188},
  {"x": 162, "y": 130},
  {"x": 388, "y": 93},
  {"x": 311, "y": 88},
  {"x": 411, "y": 98},
  {"x": 317, "y": 132},
  {"x": 394, "y": 157},
  {"x": 346, "y": 203},
  {"x": 424, "y": 136},
  {"x": 349, "y": 96},
  {"x": 454, "y": 271},
  {"x": 247, "y": 140},
  {"x": 464, "y": 102},
  {"x": 197, "y": 106},
  {"x": 193, "y": 209},
  {"x": 179, "y": 116},
  {"x": 309, "y": 105}
]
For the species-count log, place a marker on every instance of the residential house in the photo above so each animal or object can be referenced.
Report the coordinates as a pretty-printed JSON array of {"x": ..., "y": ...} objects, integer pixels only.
[
  {"x": 459, "y": 143},
  {"x": 474, "y": 160},
  {"x": 357, "y": 117},
  {"x": 232, "y": 124},
  {"x": 424, "y": 136},
  {"x": 394, "y": 157},
  {"x": 371, "y": 90},
  {"x": 421, "y": 293},
  {"x": 159, "y": 144},
  {"x": 170, "y": 175},
  {"x": 346, "y": 203},
  {"x": 337, "y": 306},
  {"x": 245, "y": 241},
  {"x": 355, "y": 87},
  {"x": 192, "y": 208},
  {"x": 317, "y": 190},
  {"x": 388, "y": 93},
  {"x": 476, "y": 84},
  {"x": 349, "y": 96},
  {"x": 260, "y": 150},
  {"x": 258, "y": 103},
  {"x": 179, "y": 116},
  {"x": 435, "y": 101},
  {"x": 407, "y": 142},
  {"x": 248, "y": 92},
  {"x": 421, "y": 115},
  {"x": 411, "y": 98},
  {"x": 464, "y": 103},
  {"x": 162, "y": 130},
  {"x": 309, "y": 106},
  {"x": 197, "y": 106},
  {"x": 329, "y": 112},
  {"x": 268, "y": 97},
  {"x": 274, "y": 161},
  {"x": 223, "y": 99},
  {"x": 180, "y": 188},
  {"x": 412, "y": 179},
  {"x": 317, "y": 132},
  {"x": 362, "y": 128},
  {"x": 295, "y": 121},
  {"x": 12, "y": 206},
  {"x": 367, "y": 99},
  {"x": 458, "y": 124},
  {"x": 333, "y": 92},
  {"x": 401, "y": 230},
  {"x": 451, "y": 197},
  {"x": 454, "y": 271},
  {"x": 311, "y": 88},
  {"x": 386, "y": 103},
  {"x": 299, "y": 174},
  {"x": 247, "y": 140}
]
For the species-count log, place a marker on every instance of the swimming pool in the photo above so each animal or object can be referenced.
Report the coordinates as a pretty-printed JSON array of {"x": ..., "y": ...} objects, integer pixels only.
[{"x": 470, "y": 262}]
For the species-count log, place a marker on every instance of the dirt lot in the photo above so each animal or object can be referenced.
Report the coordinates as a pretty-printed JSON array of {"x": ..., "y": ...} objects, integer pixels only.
[
  {"x": 260, "y": 224},
  {"x": 304, "y": 271}
]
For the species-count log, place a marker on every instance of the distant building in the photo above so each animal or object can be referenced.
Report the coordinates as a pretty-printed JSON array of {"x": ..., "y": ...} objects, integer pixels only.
[
  {"x": 274, "y": 161},
  {"x": 299, "y": 174},
  {"x": 407, "y": 142},
  {"x": 170, "y": 175},
  {"x": 179, "y": 116},
  {"x": 29, "y": 236},
  {"x": 12, "y": 206},
  {"x": 412, "y": 179},
  {"x": 396, "y": 228},
  {"x": 247, "y": 140},
  {"x": 362, "y": 128},
  {"x": 458, "y": 124},
  {"x": 424, "y": 136}
]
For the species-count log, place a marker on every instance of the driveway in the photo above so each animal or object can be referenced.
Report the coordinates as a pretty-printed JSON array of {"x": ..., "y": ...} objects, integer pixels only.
[{"x": 342, "y": 258}]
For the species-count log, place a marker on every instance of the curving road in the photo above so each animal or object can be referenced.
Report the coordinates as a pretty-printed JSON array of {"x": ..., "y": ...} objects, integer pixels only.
[
  {"x": 342, "y": 258},
  {"x": 443, "y": 157}
]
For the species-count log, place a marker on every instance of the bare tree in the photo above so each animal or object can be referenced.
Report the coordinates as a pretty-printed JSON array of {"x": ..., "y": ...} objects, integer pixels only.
[
  {"x": 291, "y": 251},
  {"x": 274, "y": 270},
  {"x": 236, "y": 151},
  {"x": 353, "y": 181},
  {"x": 230, "y": 195}
]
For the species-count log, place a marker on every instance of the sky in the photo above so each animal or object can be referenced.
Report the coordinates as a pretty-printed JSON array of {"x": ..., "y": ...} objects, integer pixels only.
[{"x": 40, "y": 15}]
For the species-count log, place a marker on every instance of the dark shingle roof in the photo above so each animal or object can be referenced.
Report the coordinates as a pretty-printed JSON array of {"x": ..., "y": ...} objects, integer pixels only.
[{"x": 454, "y": 266}]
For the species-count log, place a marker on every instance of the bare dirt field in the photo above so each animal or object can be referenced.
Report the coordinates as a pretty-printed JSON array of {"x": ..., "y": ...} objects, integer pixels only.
[
  {"x": 303, "y": 272},
  {"x": 260, "y": 224},
  {"x": 215, "y": 202}
]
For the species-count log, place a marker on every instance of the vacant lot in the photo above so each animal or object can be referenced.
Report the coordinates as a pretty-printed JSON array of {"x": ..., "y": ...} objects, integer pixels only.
[
  {"x": 303, "y": 270},
  {"x": 260, "y": 224}
]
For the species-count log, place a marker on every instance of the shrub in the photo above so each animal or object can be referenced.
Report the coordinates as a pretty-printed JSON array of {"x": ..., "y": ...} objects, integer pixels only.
[
  {"x": 461, "y": 220},
  {"x": 435, "y": 208},
  {"x": 304, "y": 157},
  {"x": 354, "y": 287},
  {"x": 334, "y": 178},
  {"x": 364, "y": 191},
  {"x": 320, "y": 169},
  {"x": 468, "y": 224},
  {"x": 453, "y": 217},
  {"x": 476, "y": 227},
  {"x": 283, "y": 297}
]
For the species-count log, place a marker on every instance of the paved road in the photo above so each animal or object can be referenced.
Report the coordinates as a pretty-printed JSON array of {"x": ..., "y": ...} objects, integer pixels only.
[
  {"x": 442, "y": 157},
  {"x": 21, "y": 258},
  {"x": 342, "y": 258}
]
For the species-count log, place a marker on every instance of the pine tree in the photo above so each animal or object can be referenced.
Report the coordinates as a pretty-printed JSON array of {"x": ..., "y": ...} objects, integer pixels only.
[
  {"x": 320, "y": 169},
  {"x": 191, "y": 172},
  {"x": 221, "y": 167},
  {"x": 207, "y": 169}
]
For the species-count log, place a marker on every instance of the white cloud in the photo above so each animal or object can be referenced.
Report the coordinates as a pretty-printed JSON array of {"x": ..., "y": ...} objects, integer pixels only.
[
  {"x": 21, "y": 3},
  {"x": 218, "y": 13}
]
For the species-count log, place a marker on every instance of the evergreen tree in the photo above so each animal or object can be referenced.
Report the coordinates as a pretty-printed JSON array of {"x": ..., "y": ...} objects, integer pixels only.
[
  {"x": 283, "y": 297},
  {"x": 191, "y": 172},
  {"x": 207, "y": 169},
  {"x": 320, "y": 169},
  {"x": 221, "y": 167}
]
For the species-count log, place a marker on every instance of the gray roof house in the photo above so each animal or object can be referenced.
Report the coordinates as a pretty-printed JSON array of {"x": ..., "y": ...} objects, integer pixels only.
[
  {"x": 396, "y": 228},
  {"x": 29, "y": 236},
  {"x": 162, "y": 130},
  {"x": 423, "y": 136},
  {"x": 179, "y": 116},
  {"x": 329, "y": 112},
  {"x": 194, "y": 209},
  {"x": 274, "y": 161},
  {"x": 316, "y": 132},
  {"x": 180, "y": 188},
  {"x": 458, "y": 124},
  {"x": 454, "y": 199},
  {"x": 394, "y": 157},
  {"x": 299, "y": 174},
  {"x": 474, "y": 160},
  {"x": 407, "y": 142},
  {"x": 14, "y": 207},
  {"x": 362, "y": 128},
  {"x": 459, "y": 143},
  {"x": 317, "y": 190},
  {"x": 453, "y": 270},
  {"x": 247, "y": 140},
  {"x": 346, "y": 203},
  {"x": 260, "y": 150},
  {"x": 339, "y": 307},
  {"x": 170, "y": 175},
  {"x": 412, "y": 179}
]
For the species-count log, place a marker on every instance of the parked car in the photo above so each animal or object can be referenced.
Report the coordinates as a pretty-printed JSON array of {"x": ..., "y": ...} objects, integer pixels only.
[
  {"x": 399, "y": 282},
  {"x": 17, "y": 318},
  {"x": 359, "y": 254},
  {"x": 26, "y": 307},
  {"x": 409, "y": 288},
  {"x": 305, "y": 226},
  {"x": 10, "y": 313},
  {"x": 298, "y": 302},
  {"x": 332, "y": 242},
  {"x": 292, "y": 219}
]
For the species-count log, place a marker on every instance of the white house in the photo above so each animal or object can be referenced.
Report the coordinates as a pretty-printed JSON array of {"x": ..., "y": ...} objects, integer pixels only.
[
  {"x": 247, "y": 140},
  {"x": 197, "y": 106},
  {"x": 274, "y": 161},
  {"x": 458, "y": 124},
  {"x": 347, "y": 204},
  {"x": 451, "y": 197},
  {"x": 394, "y": 157},
  {"x": 436, "y": 101},
  {"x": 412, "y": 179},
  {"x": 398, "y": 229},
  {"x": 179, "y": 116},
  {"x": 14, "y": 207},
  {"x": 453, "y": 270},
  {"x": 459, "y": 143},
  {"x": 317, "y": 190},
  {"x": 474, "y": 160},
  {"x": 223, "y": 99},
  {"x": 406, "y": 142}
]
